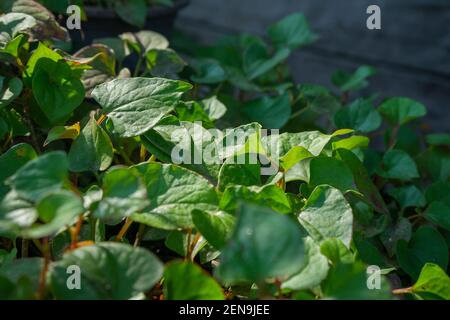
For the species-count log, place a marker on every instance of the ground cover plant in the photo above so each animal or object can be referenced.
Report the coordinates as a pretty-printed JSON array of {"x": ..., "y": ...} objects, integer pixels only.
[{"x": 119, "y": 180}]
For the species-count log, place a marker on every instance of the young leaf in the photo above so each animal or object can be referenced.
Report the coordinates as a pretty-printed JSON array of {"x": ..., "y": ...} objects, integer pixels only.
[
  {"x": 433, "y": 282},
  {"x": 355, "y": 81},
  {"x": 187, "y": 281},
  {"x": 360, "y": 115},
  {"x": 92, "y": 150}
]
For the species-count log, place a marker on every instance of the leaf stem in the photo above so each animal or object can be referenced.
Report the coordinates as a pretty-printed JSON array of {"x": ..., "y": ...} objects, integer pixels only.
[
  {"x": 124, "y": 229},
  {"x": 75, "y": 232},
  {"x": 139, "y": 235},
  {"x": 43, "y": 275},
  {"x": 24, "y": 249},
  {"x": 403, "y": 290}
]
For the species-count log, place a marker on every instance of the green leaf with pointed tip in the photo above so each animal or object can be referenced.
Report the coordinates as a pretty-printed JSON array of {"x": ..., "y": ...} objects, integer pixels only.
[
  {"x": 360, "y": 115},
  {"x": 353, "y": 142},
  {"x": 92, "y": 150},
  {"x": 354, "y": 81},
  {"x": 40, "y": 176},
  {"x": 187, "y": 281},
  {"x": 108, "y": 271},
  {"x": 292, "y": 31},
  {"x": 426, "y": 245},
  {"x": 327, "y": 214},
  {"x": 123, "y": 194},
  {"x": 215, "y": 226},
  {"x": 269, "y": 196},
  {"x": 399, "y": 111},
  {"x": 397, "y": 164},
  {"x": 270, "y": 112},
  {"x": 255, "y": 252},
  {"x": 433, "y": 282},
  {"x": 41, "y": 52},
  {"x": 57, "y": 211},
  {"x": 11, "y": 90},
  {"x": 330, "y": 171},
  {"x": 173, "y": 193},
  {"x": 439, "y": 213},
  {"x": 57, "y": 89},
  {"x": 401, "y": 230},
  {"x": 314, "y": 271},
  {"x": 165, "y": 63},
  {"x": 408, "y": 196},
  {"x": 294, "y": 156},
  {"x": 136, "y": 105}
]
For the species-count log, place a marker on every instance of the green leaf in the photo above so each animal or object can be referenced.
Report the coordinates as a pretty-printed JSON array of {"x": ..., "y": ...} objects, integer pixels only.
[
  {"x": 136, "y": 105},
  {"x": 397, "y": 164},
  {"x": 108, "y": 271},
  {"x": 331, "y": 171},
  {"x": 164, "y": 63},
  {"x": 57, "y": 89},
  {"x": 255, "y": 252},
  {"x": 350, "y": 282},
  {"x": 16, "y": 213},
  {"x": 270, "y": 112},
  {"x": 173, "y": 193},
  {"x": 24, "y": 274},
  {"x": 207, "y": 71},
  {"x": 426, "y": 245},
  {"x": 233, "y": 173},
  {"x": 293, "y": 31},
  {"x": 327, "y": 215},
  {"x": 438, "y": 191},
  {"x": 117, "y": 45},
  {"x": 408, "y": 196},
  {"x": 399, "y": 111},
  {"x": 438, "y": 213},
  {"x": 123, "y": 194},
  {"x": 269, "y": 196},
  {"x": 354, "y": 81},
  {"x": 57, "y": 210},
  {"x": 187, "y": 281},
  {"x": 353, "y": 142},
  {"x": 336, "y": 251},
  {"x": 257, "y": 60},
  {"x": 313, "y": 273},
  {"x": 360, "y": 115},
  {"x": 41, "y": 52},
  {"x": 401, "y": 230},
  {"x": 92, "y": 150},
  {"x": 214, "y": 108},
  {"x": 433, "y": 282},
  {"x": 11, "y": 90},
  {"x": 215, "y": 226},
  {"x": 362, "y": 180},
  {"x": 63, "y": 132},
  {"x": 133, "y": 12},
  {"x": 37, "y": 178}
]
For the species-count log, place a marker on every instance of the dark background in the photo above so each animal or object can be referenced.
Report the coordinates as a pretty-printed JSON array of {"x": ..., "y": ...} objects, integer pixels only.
[{"x": 411, "y": 52}]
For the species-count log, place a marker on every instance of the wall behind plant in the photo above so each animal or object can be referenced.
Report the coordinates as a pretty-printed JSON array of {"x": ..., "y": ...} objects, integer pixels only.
[{"x": 411, "y": 52}]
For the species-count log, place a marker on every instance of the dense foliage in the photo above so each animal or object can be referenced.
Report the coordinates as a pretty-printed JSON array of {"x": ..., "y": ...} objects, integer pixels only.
[{"x": 88, "y": 179}]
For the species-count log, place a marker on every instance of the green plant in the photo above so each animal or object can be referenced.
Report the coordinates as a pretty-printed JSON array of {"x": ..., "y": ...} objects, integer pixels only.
[{"x": 88, "y": 176}]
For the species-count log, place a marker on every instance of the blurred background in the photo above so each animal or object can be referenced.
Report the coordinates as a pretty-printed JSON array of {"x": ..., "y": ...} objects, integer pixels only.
[{"x": 411, "y": 52}]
